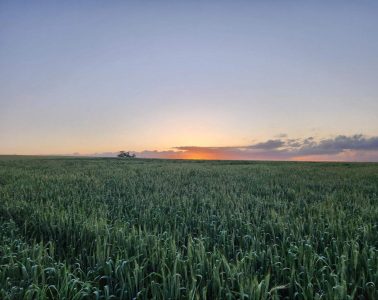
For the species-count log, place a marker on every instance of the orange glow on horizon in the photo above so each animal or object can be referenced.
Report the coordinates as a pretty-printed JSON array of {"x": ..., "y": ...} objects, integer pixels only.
[
  {"x": 195, "y": 154},
  {"x": 200, "y": 155}
]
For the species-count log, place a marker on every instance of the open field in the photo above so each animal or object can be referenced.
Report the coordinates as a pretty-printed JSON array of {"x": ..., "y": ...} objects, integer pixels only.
[{"x": 78, "y": 228}]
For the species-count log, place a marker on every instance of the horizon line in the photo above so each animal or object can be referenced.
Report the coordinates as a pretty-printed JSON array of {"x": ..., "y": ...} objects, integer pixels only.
[{"x": 187, "y": 159}]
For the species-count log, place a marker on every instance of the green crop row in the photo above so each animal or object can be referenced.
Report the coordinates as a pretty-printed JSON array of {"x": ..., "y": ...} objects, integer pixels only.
[{"x": 77, "y": 228}]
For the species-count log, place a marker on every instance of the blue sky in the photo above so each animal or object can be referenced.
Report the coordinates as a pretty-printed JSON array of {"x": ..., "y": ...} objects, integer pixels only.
[{"x": 91, "y": 76}]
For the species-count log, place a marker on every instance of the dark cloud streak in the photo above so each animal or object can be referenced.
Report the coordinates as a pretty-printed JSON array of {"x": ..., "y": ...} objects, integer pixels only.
[{"x": 268, "y": 145}]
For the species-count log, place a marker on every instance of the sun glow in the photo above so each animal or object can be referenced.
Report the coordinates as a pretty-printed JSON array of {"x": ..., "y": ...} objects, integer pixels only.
[{"x": 199, "y": 155}]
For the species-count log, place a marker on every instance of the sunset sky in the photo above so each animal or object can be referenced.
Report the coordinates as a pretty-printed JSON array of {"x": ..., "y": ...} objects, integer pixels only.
[{"x": 277, "y": 80}]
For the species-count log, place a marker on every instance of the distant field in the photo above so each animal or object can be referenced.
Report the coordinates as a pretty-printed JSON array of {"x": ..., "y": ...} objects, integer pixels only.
[{"x": 78, "y": 228}]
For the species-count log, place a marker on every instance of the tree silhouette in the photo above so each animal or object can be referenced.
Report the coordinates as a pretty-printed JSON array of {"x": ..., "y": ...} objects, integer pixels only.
[{"x": 123, "y": 154}]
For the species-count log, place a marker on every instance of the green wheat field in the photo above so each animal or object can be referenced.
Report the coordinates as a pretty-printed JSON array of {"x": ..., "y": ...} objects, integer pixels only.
[{"x": 103, "y": 228}]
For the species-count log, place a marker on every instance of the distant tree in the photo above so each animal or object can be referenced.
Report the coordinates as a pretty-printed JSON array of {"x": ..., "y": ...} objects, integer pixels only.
[{"x": 123, "y": 154}]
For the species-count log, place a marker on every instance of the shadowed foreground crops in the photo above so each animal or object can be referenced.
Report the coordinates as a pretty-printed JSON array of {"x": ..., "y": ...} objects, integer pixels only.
[{"x": 75, "y": 228}]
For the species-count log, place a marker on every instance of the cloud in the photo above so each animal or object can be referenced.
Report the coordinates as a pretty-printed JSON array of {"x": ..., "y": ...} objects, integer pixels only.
[
  {"x": 339, "y": 144},
  {"x": 349, "y": 148},
  {"x": 340, "y": 148},
  {"x": 281, "y": 135},
  {"x": 268, "y": 145}
]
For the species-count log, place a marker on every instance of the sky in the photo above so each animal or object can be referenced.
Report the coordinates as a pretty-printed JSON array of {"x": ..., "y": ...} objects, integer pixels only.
[{"x": 275, "y": 80}]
